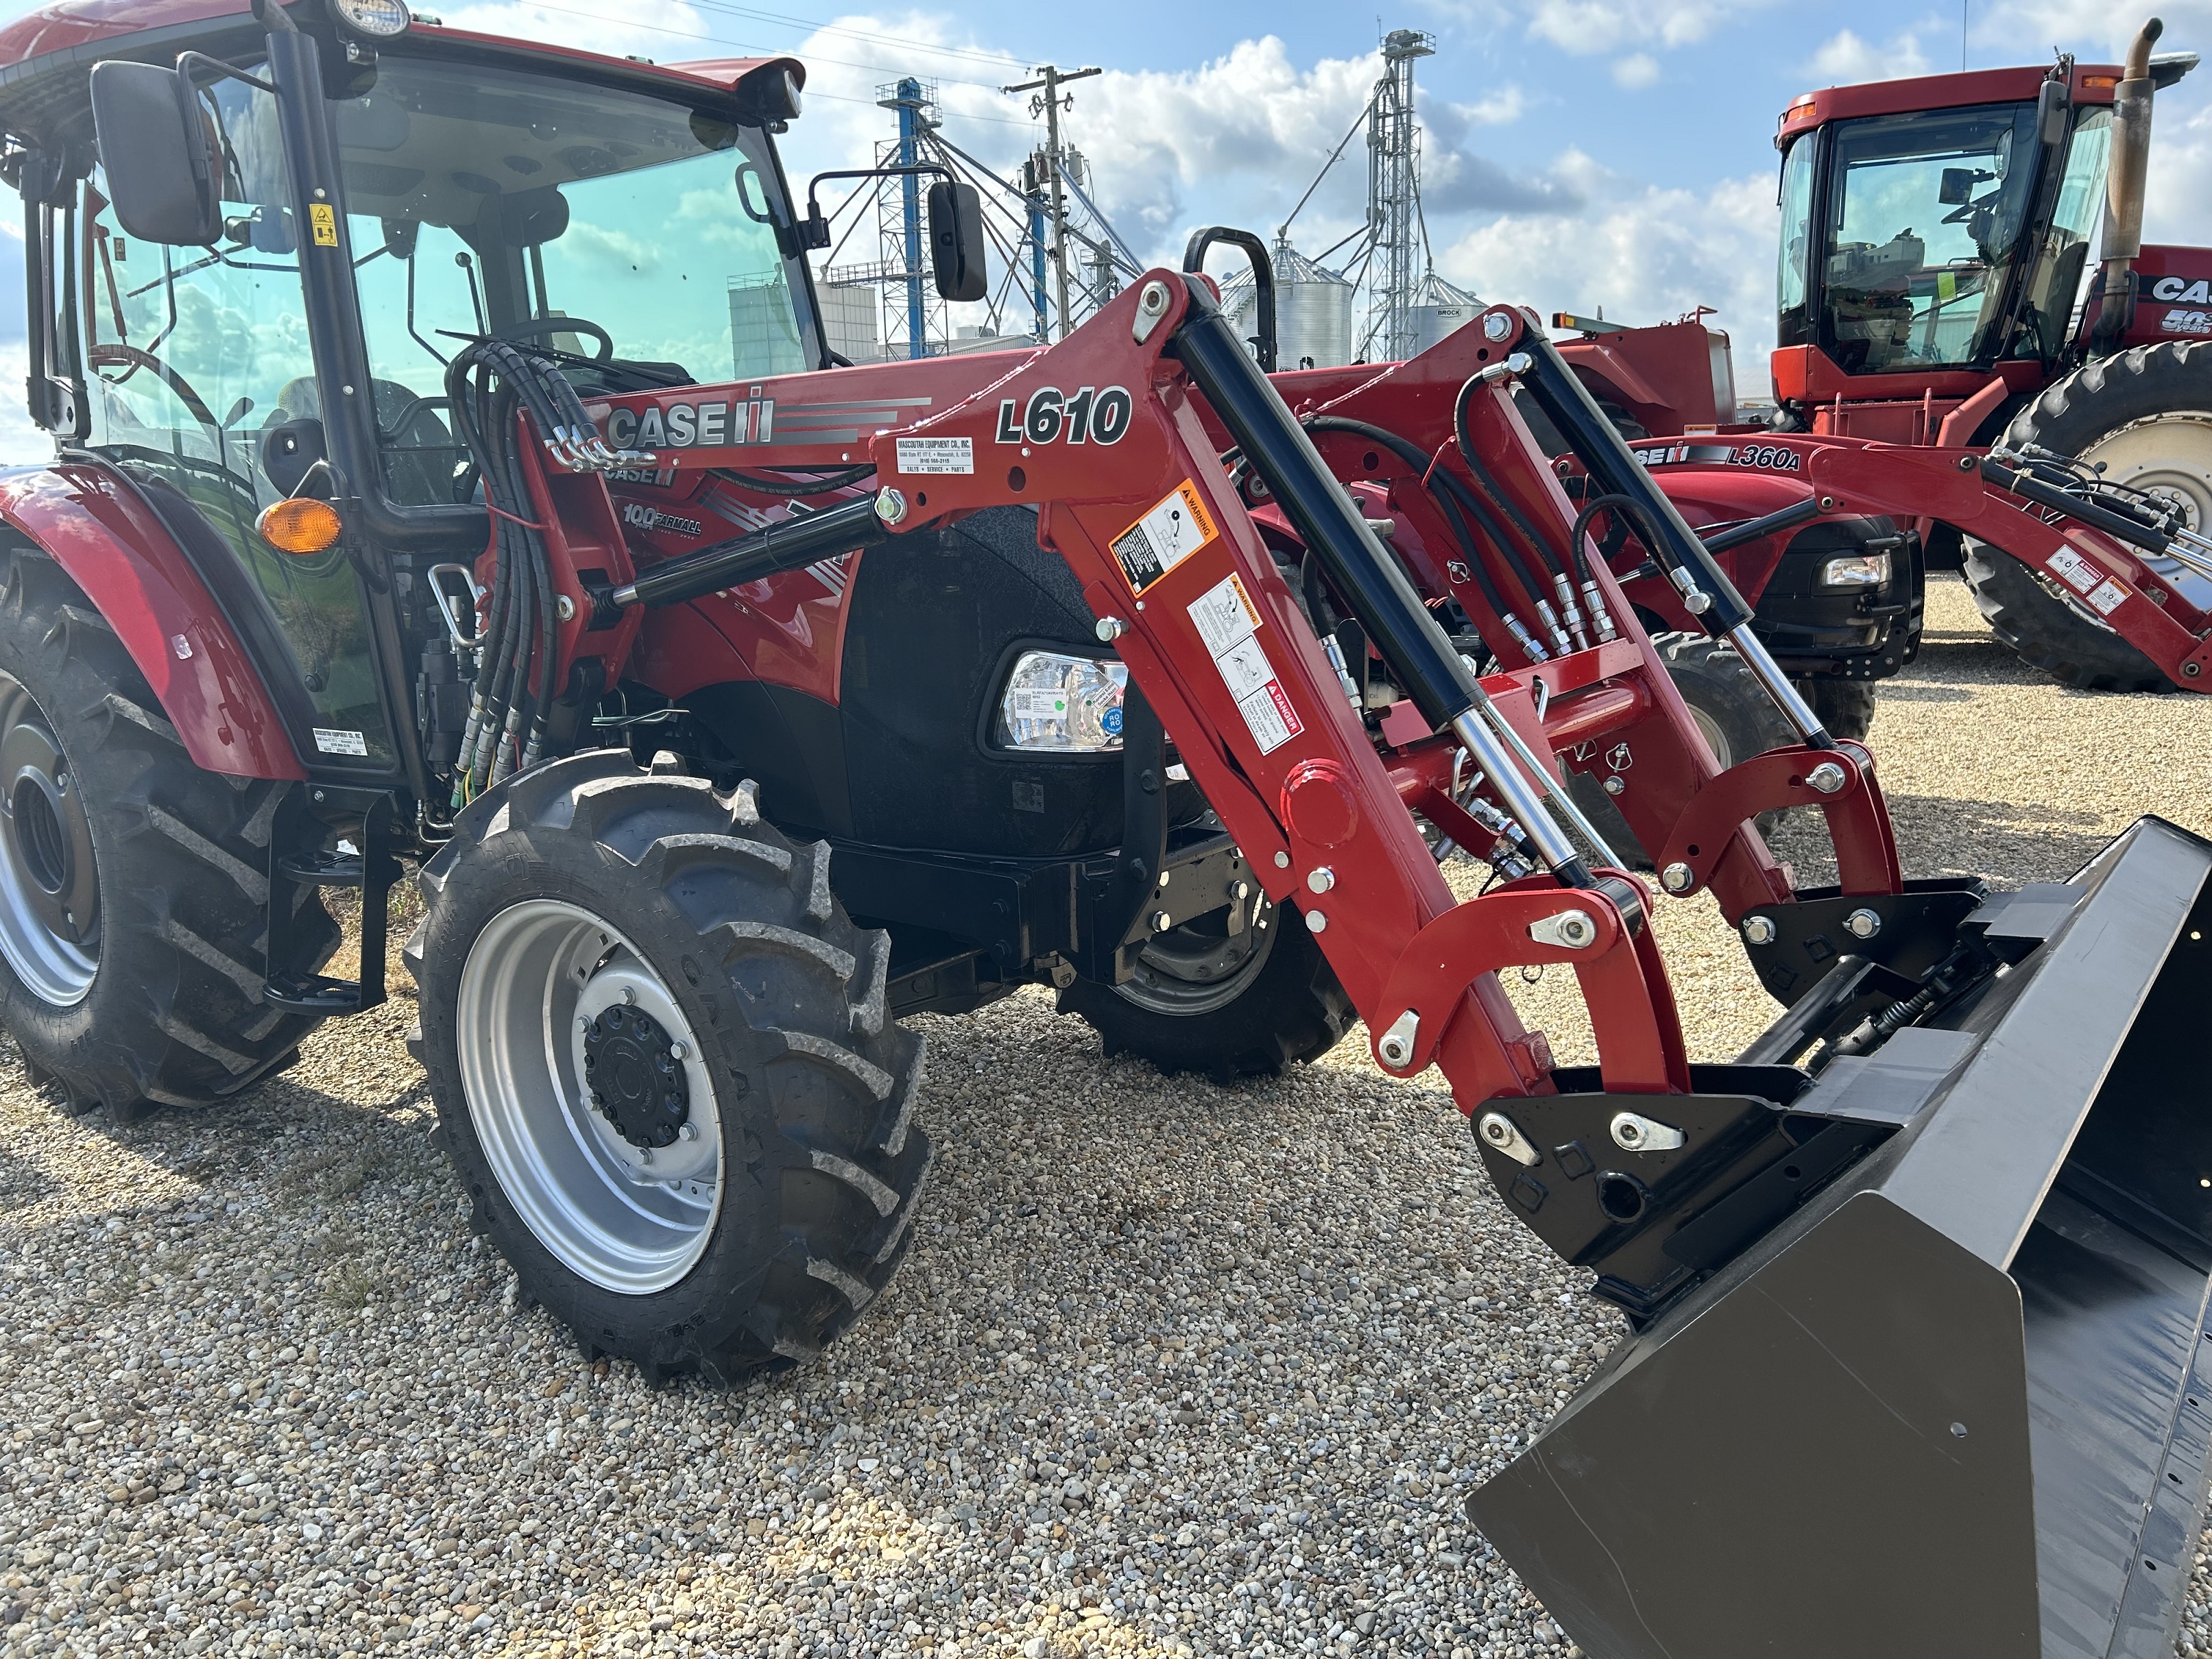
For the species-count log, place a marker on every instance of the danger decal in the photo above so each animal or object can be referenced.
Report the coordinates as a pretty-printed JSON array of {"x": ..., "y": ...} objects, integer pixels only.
[
  {"x": 1163, "y": 537},
  {"x": 2076, "y": 571},
  {"x": 1229, "y": 622}
]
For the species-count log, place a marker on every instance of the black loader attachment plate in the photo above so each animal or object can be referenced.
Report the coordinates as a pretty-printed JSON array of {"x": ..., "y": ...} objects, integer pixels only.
[{"x": 1949, "y": 1393}]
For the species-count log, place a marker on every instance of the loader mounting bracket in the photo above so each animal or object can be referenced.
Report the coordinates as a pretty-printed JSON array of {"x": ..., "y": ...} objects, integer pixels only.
[
  {"x": 1794, "y": 946},
  {"x": 1655, "y": 1192}
]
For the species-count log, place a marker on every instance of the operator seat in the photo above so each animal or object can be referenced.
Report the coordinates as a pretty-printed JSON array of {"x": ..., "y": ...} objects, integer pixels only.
[{"x": 420, "y": 455}]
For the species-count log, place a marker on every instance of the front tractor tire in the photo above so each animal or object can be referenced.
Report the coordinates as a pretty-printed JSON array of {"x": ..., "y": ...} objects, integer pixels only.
[
  {"x": 1227, "y": 1005},
  {"x": 2146, "y": 415},
  {"x": 133, "y": 885},
  {"x": 662, "y": 1068}
]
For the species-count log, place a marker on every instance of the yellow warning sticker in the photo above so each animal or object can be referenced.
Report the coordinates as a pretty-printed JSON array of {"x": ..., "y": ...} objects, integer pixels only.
[
  {"x": 1163, "y": 537},
  {"x": 323, "y": 219}
]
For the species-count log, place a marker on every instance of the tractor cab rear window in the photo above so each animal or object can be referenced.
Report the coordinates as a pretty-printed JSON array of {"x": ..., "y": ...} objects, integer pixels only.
[
  {"x": 1924, "y": 224},
  {"x": 606, "y": 224}
]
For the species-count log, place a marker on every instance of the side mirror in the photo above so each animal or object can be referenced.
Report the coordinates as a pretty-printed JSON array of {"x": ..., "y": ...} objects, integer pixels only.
[
  {"x": 1957, "y": 188},
  {"x": 956, "y": 240},
  {"x": 2051, "y": 113},
  {"x": 161, "y": 175}
]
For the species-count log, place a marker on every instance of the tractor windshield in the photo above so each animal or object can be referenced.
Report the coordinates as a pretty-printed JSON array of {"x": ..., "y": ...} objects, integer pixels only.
[
  {"x": 1924, "y": 220},
  {"x": 601, "y": 221}
]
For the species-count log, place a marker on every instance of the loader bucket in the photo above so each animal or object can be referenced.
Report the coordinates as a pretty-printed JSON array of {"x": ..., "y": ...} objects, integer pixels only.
[{"x": 1959, "y": 1402}]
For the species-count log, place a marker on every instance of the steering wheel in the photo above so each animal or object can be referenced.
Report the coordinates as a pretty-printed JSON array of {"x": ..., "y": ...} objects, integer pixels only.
[
  {"x": 109, "y": 354},
  {"x": 538, "y": 327}
]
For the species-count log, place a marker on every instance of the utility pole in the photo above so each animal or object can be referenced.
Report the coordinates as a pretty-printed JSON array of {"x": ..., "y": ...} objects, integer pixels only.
[{"x": 1047, "y": 102}]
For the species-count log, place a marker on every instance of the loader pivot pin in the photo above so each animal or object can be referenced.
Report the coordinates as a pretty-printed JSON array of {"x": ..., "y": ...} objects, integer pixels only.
[{"x": 635, "y": 1077}]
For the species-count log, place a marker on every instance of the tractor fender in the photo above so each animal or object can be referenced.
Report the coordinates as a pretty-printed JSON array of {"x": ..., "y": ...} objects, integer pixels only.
[{"x": 112, "y": 546}]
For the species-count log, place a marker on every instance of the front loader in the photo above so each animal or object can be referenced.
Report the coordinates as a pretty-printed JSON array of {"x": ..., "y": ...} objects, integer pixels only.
[{"x": 731, "y": 717}]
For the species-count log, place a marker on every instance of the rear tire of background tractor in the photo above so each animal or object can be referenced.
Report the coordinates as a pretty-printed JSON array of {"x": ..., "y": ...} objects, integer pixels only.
[
  {"x": 1731, "y": 711},
  {"x": 1280, "y": 1003},
  {"x": 133, "y": 885},
  {"x": 664, "y": 1068},
  {"x": 2147, "y": 413}
]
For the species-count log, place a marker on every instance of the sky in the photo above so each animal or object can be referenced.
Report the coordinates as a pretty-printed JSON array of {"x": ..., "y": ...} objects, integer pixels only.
[{"x": 1578, "y": 154}]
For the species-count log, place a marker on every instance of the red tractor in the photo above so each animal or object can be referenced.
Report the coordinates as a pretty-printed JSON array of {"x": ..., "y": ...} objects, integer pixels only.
[
  {"x": 1936, "y": 234},
  {"x": 450, "y": 471}
]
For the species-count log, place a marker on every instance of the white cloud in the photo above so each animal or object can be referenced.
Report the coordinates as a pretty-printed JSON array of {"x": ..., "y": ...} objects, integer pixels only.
[
  {"x": 1586, "y": 26},
  {"x": 1507, "y": 104},
  {"x": 1640, "y": 70},
  {"x": 1844, "y": 57},
  {"x": 1645, "y": 254}
]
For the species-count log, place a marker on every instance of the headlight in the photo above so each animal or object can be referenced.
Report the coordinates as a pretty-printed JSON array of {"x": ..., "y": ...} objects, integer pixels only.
[
  {"x": 1855, "y": 570},
  {"x": 380, "y": 19},
  {"x": 1062, "y": 705}
]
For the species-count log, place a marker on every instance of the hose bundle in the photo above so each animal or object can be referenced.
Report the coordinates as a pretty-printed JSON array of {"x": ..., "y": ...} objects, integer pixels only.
[{"x": 488, "y": 384}]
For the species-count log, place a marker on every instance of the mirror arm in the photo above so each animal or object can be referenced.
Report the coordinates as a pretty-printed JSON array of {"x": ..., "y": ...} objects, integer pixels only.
[
  {"x": 187, "y": 61},
  {"x": 814, "y": 229}
]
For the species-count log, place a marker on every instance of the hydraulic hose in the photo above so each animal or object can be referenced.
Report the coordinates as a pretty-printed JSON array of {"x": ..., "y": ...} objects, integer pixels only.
[{"x": 1410, "y": 452}]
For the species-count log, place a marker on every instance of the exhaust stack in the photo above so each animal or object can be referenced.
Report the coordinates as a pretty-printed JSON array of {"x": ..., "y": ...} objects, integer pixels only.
[{"x": 2124, "y": 192}]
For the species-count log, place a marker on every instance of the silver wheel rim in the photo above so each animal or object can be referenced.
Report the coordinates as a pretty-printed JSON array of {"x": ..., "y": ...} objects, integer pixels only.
[
  {"x": 2168, "y": 456},
  {"x": 1202, "y": 966},
  {"x": 629, "y": 1220},
  {"x": 49, "y": 885},
  {"x": 1709, "y": 729}
]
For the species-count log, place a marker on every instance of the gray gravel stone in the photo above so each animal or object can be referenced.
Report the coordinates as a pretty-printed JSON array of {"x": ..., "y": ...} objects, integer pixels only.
[{"x": 1174, "y": 1369}]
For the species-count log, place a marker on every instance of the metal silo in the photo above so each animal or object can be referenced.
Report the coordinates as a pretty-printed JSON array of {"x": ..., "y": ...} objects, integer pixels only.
[{"x": 1313, "y": 311}]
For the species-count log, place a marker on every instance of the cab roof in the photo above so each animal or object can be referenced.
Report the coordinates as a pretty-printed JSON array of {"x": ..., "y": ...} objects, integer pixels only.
[{"x": 46, "y": 54}]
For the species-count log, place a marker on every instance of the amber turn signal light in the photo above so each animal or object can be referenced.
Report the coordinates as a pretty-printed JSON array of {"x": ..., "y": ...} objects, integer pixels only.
[{"x": 299, "y": 524}]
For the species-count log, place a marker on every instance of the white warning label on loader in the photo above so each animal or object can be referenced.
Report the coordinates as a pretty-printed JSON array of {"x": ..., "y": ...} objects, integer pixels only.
[
  {"x": 2077, "y": 572},
  {"x": 2108, "y": 598},
  {"x": 1229, "y": 622},
  {"x": 918, "y": 456},
  {"x": 1225, "y": 614}
]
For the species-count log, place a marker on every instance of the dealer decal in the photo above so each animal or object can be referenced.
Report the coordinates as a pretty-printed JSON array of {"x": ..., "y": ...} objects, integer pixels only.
[
  {"x": 1086, "y": 414},
  {"x": 1163, "y": 537}
]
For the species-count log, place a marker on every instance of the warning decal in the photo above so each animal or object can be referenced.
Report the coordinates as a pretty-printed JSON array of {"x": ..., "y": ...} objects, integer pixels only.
[
  {"x": 2108, "y": 599},
  {"x": 1229, "y": 622},
  {"x": 1163, "y": 537},
  {"x": 1225, "y": 615},
  {"x": 323, "y": 219},
  {"x": 2079, "y": 573}
]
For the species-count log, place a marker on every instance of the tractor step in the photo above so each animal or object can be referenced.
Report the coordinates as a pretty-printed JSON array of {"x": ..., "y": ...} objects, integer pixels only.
[
  {"x": 326, "y": 835},
  {"x": 314, "y": 994}
]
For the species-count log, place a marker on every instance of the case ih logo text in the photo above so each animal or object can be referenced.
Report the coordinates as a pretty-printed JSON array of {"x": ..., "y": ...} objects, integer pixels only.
[
  {"x": 2179, "y": 290},
  {"x": 1085, "y": 415},
  {"x": 680, "y": 426}
]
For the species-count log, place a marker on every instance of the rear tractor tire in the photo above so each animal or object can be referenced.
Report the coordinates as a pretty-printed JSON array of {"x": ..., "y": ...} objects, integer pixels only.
[
  {"x": 2146, "y": 414},
  {"x": 133, "y": 885},
  {"x": 663, "y": 1068},
  {"x": 1227, "y": 1005}
]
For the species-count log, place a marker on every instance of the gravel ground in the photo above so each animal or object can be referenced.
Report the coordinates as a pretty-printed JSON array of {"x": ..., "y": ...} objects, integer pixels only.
[{"x": 1173, "y": 1369}]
